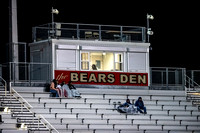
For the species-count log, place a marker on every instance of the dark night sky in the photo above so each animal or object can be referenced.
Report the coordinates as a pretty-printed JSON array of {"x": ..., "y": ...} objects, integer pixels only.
[{"x": 176, "y": 25}]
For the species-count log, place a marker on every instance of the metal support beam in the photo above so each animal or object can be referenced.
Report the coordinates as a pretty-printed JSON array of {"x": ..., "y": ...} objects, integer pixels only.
[{"x": 13, "y": 35}]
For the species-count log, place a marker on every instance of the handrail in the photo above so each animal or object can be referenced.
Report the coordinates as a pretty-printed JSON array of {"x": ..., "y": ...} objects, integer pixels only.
[
  {"x": 23, "y": 100},
  {"x": 97, "y": 25},
  {"x": 25, "y": 103},
  {"x": 191, "y": 80},
  {"x": 41, "y": 116},
  {"x": 47, "y": 31},
  {"x": 5, "y": 85}
]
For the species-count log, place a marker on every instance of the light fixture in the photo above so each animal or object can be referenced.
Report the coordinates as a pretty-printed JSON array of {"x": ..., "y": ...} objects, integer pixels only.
[
  {"x": 55, "y": 11},
  {"x": 150, "y": 17},
  {"x": 149, "y": 32}
]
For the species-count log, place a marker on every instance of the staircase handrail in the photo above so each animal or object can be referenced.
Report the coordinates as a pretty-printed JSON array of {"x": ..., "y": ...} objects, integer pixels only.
[
  {"x": 4, "y": 85},
  {"x": 191, "y": 80},
  {"x": 24, "y": 102}
]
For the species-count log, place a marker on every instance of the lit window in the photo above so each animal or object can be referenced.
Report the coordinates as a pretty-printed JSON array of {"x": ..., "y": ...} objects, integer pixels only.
[
  {"x": 101, "y": 61},
  {"x": 118, "y": 62},
  {"x": 85, "y": 61}
]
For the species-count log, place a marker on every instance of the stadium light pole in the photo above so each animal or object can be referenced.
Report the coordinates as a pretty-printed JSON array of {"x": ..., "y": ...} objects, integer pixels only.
[
  {"x": 149, "y": 32},
  {"x": 13, "y": 38},
  {"x": 53, "y": 11}
]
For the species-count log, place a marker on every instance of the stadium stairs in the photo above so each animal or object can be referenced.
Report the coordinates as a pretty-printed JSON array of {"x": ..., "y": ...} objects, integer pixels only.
[
  {"x": 95, "y": 112},
  {"x": 16, "y": 116}
]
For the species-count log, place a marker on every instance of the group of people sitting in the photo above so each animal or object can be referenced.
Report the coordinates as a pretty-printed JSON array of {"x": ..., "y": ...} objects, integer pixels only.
[
  {"x": 64, "y": 90},
  {"x": 130, "y": 108},
  {"x": 69, "y": 91}
]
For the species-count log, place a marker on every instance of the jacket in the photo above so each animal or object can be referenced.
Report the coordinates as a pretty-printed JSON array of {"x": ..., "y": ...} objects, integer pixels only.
[{"x": 139, "y": 103}]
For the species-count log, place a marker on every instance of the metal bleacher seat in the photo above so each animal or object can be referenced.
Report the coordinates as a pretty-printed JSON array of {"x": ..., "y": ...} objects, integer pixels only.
[{"x": 167, "y": 112}]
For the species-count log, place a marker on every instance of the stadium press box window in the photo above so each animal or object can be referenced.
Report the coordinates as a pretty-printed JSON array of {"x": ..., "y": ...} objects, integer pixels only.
[{"x": 103, "y": 61}]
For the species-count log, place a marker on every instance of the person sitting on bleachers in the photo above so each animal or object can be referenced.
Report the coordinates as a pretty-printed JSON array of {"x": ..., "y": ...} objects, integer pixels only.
[
  {"x": 127, "y": 107},
  {"x": 54, "y": 89},
  {"x": 75, "y": 93},
  {"x": 140, "y": 105},
  {"x": 63, "y": 89}
]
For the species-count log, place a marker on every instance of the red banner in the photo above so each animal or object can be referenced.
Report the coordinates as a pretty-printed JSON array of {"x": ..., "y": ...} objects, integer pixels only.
[{"x": 102, "y": 78}]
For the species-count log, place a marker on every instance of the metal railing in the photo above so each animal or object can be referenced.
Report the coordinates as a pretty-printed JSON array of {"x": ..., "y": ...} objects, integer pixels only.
[
  {"x": 192, "y": 90},
  {"x": 194, "y": 75},
  {"x": 164, "y": 78},
  {"x": 4, "y": 84},
  {"x": 191, "y": 84},
  {"x": 89, "y": 32},
  {"x": 167, "y": 78},
  {"x": 25, "y": 104},
  {"x": 30, "y": 72}
]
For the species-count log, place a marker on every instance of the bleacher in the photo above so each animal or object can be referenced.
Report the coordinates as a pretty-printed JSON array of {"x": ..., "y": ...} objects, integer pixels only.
[
  {"x": 18, "y": 118},
  {"x": 95, "y": 112}
]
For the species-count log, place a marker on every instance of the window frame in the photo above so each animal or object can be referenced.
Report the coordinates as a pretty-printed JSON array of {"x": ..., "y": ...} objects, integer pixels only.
[
  {"x": 114, "y": 60},
  {"x": 119, "y": 62},
  {"x": 85, "y": 61}
]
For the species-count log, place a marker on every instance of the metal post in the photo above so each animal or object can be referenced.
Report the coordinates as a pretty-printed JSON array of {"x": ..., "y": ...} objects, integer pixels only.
[
  {"x": 151, "y": 77},
  {"x": 143, "y": 35},
  {"x": 192, "y": 77},
  {"x": 121, "y": 34},
  {"x": 29, "y": 71},
  {"x": 100, "y": 32},
  {"x": 167, "y": 78},
  {"x": 184, "y": 79},
  {"x": 52, "y": 16},
  {"x": 10, "y": 72},
  {"x": 78, "y": 32},
  {"x": 25, "y": 60},
  {"x": 162, "y": 76},
  {"x": 147, "y": 28},
  {"x": 14, "y": 67}
]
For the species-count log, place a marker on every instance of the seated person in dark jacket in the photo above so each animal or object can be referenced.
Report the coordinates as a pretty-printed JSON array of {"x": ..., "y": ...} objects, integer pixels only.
[
  {"x": 126, "y": 107},
  {"x": 140, "y": 105},
  {"x": 127, "y": 103}
]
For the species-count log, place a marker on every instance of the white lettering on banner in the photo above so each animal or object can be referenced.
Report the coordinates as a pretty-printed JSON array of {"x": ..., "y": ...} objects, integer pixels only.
[{"x": 84, "y": 77}]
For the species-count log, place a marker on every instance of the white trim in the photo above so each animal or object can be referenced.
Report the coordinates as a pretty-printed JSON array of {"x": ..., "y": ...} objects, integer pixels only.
[
  {"x": 99, "y": 43},
  {"x": 58, "y": 46},
  {"x": 137, "y": 49},
  {"x": 97, "y": 48}
]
